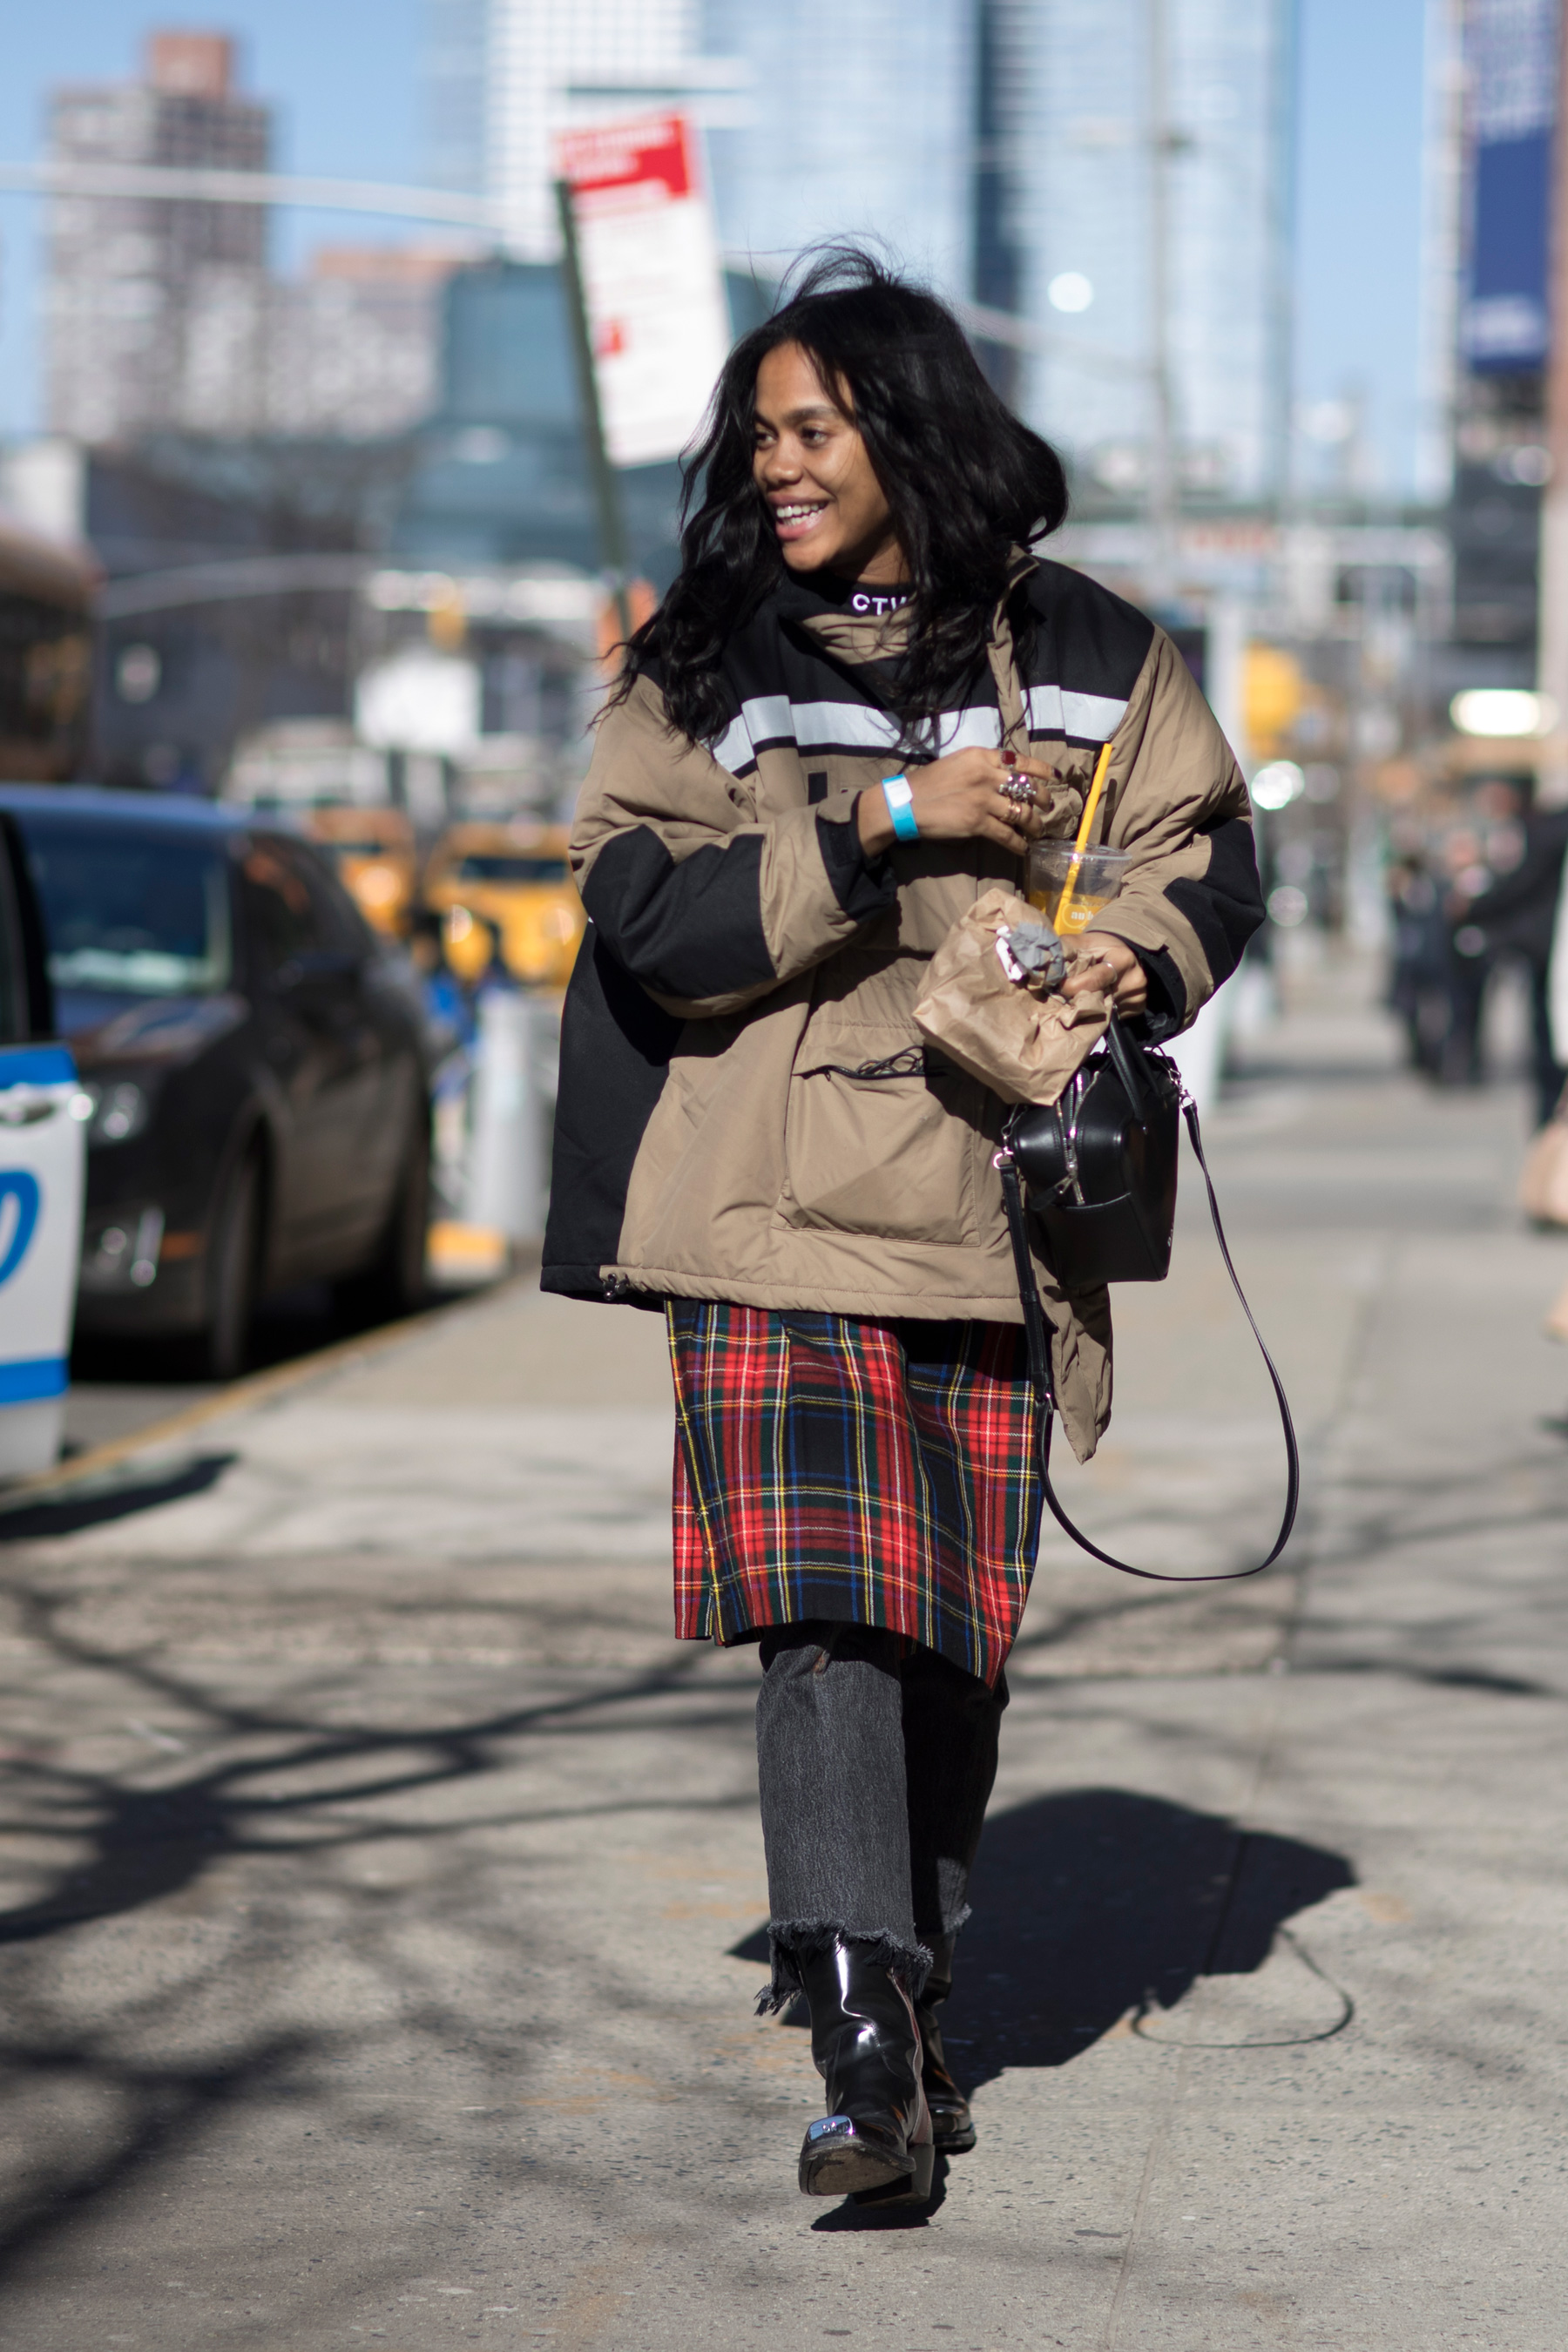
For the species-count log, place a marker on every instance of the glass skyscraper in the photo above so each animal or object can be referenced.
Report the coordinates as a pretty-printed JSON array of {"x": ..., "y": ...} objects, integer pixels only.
[
  {"x": 502, "y": 77},
  {"x": 1024, "y": 154},
  {"x": 880, "y": 145},
  {"x": 1100, "y": 164},
  {"x": 861, "y": 117}
]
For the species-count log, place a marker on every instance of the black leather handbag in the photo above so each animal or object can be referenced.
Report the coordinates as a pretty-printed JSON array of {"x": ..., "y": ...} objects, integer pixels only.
[
  {"x": 1094, "y": 1174},
  {"x": 1100, "y": 1166}
]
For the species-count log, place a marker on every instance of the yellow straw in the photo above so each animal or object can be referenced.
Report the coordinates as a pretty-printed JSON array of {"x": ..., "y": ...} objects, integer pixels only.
[{"x": 1090, "y": 808}]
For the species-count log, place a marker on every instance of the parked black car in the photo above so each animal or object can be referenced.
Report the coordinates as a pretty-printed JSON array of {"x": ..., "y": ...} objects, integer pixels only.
[{"x": 256, "y": 1057}]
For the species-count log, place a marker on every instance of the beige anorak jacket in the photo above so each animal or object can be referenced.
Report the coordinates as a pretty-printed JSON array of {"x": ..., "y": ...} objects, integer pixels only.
[{"x": 746, "y": 1109}]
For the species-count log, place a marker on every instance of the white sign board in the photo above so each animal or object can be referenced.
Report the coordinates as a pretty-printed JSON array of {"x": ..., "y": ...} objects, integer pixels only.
[
  {"x": 651, "y": 280},
  {"x": 420, "y": 700}
]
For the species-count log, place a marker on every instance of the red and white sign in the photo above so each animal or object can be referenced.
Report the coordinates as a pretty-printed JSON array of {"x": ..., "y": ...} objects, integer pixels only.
[{"x": 651, "y": 280}]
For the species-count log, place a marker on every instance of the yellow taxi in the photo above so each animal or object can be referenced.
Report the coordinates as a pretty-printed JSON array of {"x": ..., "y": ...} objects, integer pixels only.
[
  {"x": 374, "y": 851},
  {"x": 507, "y": 889}
]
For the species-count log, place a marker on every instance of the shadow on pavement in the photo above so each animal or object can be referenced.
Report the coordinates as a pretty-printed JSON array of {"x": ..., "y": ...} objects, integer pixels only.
[
  {"x": 118, "y": 1500},
  {"x": 1089, "y": 1904},
  {"x": 158, "y": 2112},
  {"x": 119, "y": 2094},
  {"x": 1097, "y": 1902},
  {"x": 852, "y": 2216}
]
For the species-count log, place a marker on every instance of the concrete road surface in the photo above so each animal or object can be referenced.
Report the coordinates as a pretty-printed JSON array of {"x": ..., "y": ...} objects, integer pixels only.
[{"x": 383, "y": 1887}]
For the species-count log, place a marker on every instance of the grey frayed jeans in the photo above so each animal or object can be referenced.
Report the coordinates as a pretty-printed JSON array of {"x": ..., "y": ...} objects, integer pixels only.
[{"x": 875, "y": 1760}]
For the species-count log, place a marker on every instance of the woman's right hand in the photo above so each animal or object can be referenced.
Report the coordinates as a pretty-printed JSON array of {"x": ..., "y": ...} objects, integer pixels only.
[{"x": 959, "y": 798}]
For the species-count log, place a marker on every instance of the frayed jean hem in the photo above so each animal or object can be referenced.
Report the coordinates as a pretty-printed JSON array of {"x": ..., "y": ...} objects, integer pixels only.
[{"x": 790, "y": 1941}]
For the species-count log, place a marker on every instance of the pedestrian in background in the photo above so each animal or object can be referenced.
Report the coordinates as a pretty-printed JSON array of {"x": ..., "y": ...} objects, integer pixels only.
[
  {"x": 862, "y": 700},
  {"x": 1464, "y": 876},
  {"x": 1504, "y": 911},
  {"x": 1418, "y": 983}
]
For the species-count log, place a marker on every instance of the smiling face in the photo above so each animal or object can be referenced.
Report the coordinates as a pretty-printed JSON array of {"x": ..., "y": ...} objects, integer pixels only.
[{"x": 815, "y": 475}]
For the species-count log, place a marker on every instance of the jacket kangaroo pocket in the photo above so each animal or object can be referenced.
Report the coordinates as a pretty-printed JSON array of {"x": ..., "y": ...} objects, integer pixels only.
[{"x": 870, "y": 1149}]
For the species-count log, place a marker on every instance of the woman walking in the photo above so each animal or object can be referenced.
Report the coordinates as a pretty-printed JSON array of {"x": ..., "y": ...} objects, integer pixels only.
[{"x": 859, "y": 702}]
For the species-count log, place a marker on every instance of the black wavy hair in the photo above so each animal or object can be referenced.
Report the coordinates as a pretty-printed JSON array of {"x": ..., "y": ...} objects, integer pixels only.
[{"x": 967, "y": 484}]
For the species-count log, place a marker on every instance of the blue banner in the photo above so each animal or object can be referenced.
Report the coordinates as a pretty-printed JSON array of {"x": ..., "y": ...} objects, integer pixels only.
[{"x": 1511, "y": 53}]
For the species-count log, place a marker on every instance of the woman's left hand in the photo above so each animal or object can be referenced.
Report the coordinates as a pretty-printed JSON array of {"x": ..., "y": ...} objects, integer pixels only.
[{"x": 1115, "y": 971}]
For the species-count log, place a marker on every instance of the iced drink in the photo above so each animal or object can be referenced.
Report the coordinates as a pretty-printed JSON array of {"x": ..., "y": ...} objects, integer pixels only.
[{"x": 1071, "y": 886}]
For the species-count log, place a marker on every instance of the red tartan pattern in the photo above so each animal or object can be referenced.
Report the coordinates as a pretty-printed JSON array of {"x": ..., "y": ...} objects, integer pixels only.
[{"x": 881, "y": 1474}]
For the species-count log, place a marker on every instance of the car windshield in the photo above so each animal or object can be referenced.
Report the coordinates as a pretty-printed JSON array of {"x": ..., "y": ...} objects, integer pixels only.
[
  {"x": 131, "y": 912},
  {"x": 358, "y": 848},
  {"x": 484, "y": 867}
]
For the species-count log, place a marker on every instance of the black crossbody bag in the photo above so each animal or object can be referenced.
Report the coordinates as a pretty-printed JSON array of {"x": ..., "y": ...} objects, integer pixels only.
[{"x": 1100, "y": 1170}]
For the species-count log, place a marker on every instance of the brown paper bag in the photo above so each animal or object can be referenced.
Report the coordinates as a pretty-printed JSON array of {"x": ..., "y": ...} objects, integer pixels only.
[{"x": 1023, "y": 1045}]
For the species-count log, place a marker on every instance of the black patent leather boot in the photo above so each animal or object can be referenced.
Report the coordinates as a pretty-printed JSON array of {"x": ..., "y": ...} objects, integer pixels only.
[
  {"x": 875, "y": 2135},
  {"x": 952, "y": 2125}
]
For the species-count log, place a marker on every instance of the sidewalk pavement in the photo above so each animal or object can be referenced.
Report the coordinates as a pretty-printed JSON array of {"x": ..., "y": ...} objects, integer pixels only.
[{"x": 383, "y": 1887}]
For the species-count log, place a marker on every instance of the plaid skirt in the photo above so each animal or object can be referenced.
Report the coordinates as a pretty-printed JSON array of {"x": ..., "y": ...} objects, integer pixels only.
[{"x": 877, "y": 1474}]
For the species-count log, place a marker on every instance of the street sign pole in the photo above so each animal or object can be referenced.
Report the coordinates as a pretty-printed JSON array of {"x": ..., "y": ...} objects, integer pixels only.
[{"x": 607, "y": 488}]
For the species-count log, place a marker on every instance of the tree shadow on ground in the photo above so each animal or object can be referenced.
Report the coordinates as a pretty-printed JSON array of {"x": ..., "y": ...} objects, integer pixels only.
[
  {"x": 125, "y": 2077},
  {"x": 1095, "y": 1901}
]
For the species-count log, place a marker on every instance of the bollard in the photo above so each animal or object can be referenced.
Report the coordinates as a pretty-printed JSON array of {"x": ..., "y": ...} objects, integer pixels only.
[{"x": 505, "y": 1187}]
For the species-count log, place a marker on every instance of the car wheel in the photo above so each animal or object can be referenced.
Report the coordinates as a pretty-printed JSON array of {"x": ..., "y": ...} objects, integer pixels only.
[
  {"x": 232, "y": 1265},
  {"x": 393, "y": 1284}
]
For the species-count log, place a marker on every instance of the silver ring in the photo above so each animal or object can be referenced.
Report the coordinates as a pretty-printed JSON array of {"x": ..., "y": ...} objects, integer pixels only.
[{"x": 1019, "y": 789}]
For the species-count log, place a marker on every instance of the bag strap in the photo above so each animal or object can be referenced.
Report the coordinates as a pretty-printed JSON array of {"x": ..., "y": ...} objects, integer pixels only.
[
  {"x": 1039, "y": 1354},
  {"x": 1130, "y": 1067}
]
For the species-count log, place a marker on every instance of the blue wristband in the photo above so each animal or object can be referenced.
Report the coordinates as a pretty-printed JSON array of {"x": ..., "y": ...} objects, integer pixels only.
[{"x": 898, "y": 793}]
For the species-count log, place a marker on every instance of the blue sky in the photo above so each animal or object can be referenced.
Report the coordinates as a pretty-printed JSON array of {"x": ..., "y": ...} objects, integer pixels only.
[
  {"x": 342, "y": 75},
  {"x": 1358, "y": 216}
]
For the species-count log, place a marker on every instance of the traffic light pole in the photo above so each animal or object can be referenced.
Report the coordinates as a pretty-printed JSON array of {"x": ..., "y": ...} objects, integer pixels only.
[{"x": 606, "y": 487}]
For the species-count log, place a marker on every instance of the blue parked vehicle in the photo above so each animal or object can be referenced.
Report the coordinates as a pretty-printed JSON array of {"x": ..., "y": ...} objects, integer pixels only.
[{"x": 253, "y": 1062}]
